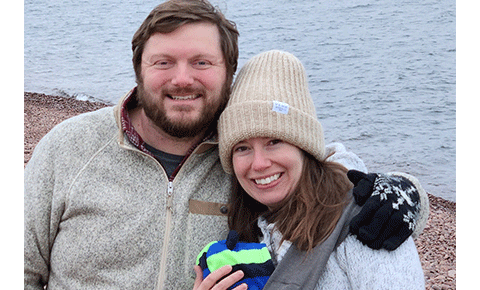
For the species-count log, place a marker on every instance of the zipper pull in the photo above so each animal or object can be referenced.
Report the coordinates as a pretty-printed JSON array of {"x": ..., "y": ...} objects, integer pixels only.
[{"x": 170, "y": 196}]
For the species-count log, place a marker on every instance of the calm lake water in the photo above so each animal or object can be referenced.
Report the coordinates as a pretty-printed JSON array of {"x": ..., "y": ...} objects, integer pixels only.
[{"x": 382, "y": 73}]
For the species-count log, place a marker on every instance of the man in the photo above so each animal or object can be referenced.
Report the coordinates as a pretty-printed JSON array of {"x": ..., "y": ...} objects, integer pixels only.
[{"x": 126, "y": 197}]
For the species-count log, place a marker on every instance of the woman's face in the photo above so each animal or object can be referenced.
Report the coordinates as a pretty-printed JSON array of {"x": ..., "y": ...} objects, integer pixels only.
[{"x": 267, "y": 168}]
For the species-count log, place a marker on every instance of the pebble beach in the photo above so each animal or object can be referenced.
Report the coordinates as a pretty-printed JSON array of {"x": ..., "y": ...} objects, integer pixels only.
[{"x": 436, "y": 245}]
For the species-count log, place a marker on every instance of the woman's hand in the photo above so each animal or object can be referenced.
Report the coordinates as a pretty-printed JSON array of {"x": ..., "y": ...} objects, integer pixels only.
[{"x": 211, "y": 281}]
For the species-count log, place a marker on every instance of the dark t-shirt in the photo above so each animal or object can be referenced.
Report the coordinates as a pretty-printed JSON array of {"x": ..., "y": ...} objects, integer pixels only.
[{"x": 169, "y": 162}]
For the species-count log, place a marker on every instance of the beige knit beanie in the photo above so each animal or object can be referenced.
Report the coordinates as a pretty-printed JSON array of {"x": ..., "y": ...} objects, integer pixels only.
[{"x": 270, "y": 98}]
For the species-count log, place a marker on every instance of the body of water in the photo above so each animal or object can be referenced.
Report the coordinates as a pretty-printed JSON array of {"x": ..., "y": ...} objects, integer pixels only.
[{"x": 382, "y": 73}]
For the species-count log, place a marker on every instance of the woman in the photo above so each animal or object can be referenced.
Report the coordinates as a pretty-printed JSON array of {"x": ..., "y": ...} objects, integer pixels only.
[{"x": 288, "y": 196}]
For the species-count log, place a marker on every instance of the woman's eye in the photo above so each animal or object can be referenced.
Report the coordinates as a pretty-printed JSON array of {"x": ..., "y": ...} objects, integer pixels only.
[
  {"x": 240, "y": 149},
  {"x": 275, "y": 141}
]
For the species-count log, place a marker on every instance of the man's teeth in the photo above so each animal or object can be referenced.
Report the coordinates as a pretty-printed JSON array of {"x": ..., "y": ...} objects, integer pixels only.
[
  {"x": 267, "y": 180},
  {"x": 181, "y": 98}
]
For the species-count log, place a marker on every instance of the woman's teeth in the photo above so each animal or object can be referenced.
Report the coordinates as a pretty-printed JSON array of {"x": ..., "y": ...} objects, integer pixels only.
[{"x": 267, "y": 180}]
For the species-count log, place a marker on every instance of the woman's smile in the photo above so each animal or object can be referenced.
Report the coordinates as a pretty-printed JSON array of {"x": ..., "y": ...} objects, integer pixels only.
[{"x": 268, "y": 180}]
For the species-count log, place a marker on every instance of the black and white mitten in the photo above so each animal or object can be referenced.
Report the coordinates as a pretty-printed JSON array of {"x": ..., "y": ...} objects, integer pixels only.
[{"x": 389, "y": 214}]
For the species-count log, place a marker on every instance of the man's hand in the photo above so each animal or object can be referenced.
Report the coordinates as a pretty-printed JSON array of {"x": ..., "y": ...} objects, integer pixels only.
[
  {"x": 217, "y": 280},
  {"x": 390, "y": 209}
]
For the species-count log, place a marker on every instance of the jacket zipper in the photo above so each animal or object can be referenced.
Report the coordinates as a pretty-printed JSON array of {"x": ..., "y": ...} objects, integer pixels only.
[
  {"x": 168, "y": 220},
  {"x": 166, "y": 239},
  {"x": 169, "y": 212}
]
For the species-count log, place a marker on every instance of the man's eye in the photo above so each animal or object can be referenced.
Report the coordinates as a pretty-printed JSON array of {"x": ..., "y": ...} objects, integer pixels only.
[
  {"x": 163, "y": 64},
  {"x": 201, "y": 64}
]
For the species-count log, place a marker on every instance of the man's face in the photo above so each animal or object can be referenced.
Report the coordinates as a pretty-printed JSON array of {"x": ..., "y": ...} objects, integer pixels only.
[{"x": 183, "y": 81}]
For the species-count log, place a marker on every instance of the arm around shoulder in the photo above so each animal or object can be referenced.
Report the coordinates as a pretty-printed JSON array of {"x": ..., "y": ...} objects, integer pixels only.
[{"x": 338, "y": 153}]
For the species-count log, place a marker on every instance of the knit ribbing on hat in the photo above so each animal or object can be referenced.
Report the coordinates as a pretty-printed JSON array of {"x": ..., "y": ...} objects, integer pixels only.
[{"x": 270, "y": 98}]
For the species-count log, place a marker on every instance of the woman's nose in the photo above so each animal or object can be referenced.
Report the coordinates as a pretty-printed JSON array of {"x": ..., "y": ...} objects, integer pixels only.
[{"x": 260, "y": 160}]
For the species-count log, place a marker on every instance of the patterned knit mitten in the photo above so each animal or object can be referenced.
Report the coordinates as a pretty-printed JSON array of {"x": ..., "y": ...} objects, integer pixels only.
[{"x": 390, "y": 210}]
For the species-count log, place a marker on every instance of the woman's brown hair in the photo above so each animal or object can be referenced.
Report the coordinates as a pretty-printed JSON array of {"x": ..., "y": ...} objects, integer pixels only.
[
  {"x": 307, "y": 217},
  {"x": 169, "y": 16}
]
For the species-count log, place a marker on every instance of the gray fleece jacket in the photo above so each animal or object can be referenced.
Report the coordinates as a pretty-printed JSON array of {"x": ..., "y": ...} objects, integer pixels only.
[{"x": 101, "y": 214}]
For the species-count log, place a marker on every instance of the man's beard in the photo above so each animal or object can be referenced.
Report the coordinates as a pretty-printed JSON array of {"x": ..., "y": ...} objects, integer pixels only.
[{"x": 182, "y": 129}]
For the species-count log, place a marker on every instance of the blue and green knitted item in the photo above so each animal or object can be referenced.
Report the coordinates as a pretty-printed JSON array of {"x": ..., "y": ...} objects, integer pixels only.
[{"x": 252, "y": 258}]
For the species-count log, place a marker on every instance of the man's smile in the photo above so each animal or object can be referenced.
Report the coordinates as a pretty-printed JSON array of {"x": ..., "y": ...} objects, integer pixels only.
[{"x": 183, "y": 98}]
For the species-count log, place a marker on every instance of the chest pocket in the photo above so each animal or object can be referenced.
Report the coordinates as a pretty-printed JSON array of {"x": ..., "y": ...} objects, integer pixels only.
[{"x": 207, "y": 208}]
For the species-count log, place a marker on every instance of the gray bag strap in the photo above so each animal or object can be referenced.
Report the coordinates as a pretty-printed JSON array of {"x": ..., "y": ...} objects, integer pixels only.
[{"x": 302, "y": 270}]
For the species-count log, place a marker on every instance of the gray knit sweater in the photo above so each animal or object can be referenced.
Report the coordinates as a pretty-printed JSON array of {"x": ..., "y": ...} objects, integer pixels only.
[{"x": 355, "y": 266}]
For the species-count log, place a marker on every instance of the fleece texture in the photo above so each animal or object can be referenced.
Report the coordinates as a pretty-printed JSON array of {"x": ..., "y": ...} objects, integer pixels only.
[{"x": 96, "y": 212}]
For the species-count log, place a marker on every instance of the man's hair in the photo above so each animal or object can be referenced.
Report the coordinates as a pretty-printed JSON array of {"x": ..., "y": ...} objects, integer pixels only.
[
  {"x": 170, "y": 15},
  {"x": 307, "y": 216}
]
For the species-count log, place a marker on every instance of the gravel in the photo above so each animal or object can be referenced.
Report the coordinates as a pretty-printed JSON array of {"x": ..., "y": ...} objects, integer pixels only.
[{"x": 436, "y": 245}]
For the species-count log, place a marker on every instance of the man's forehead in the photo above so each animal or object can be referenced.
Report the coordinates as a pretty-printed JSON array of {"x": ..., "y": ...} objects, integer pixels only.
[
  {"x": 199, "y": 39},
  {"x": 201, "y": 28}
]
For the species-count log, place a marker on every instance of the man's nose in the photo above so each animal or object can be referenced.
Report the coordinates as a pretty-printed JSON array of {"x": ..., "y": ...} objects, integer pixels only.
[{"x": 183, "y": 75}]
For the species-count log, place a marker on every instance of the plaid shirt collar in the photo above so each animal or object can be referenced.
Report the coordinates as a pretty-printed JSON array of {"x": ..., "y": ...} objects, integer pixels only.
[{"x": 131, "y": 102}]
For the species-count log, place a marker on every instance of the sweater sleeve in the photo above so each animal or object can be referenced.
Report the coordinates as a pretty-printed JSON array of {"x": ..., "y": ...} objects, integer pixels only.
[
  {"x": 46, "y": 178},
  {"x": 338, "y": 153},
  {"x": 40, "y": 219},
  {"x": 360, "y": 267}
]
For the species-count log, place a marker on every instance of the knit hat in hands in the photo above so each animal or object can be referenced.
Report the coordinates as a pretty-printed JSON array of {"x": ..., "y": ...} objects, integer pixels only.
[
  {"x": 270, "y": 98},
  {"x": 253, "y": 259}
]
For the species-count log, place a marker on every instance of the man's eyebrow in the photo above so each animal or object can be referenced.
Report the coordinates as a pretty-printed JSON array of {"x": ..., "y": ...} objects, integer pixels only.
[
  {"x": 159, "y": 55},
  {"x": 205, "y": 55}
]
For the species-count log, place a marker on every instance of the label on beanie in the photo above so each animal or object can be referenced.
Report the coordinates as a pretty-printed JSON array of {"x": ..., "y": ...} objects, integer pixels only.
[{"x": 280, "y": 107}]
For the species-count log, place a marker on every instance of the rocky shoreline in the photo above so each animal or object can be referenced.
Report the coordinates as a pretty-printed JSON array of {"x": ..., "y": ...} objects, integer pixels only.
[{"x": 436, "y": 245}]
